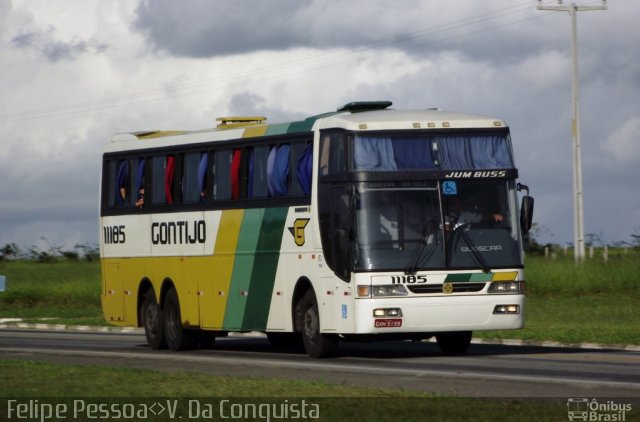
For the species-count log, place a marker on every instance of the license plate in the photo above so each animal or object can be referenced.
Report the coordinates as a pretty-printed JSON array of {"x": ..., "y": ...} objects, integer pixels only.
[{"x": 387, "y": 323}]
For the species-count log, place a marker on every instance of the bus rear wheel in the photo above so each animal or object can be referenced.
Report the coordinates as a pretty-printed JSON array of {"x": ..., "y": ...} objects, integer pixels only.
[
  {"x": 316, "y": 344},
  {"x": 151, "y": 318},
  {"x": 455, "y": 343},
  {"x": 177, "y": 336}
]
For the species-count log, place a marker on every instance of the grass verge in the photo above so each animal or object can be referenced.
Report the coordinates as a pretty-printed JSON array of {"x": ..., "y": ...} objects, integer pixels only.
[{"x": 594, "y": 302}]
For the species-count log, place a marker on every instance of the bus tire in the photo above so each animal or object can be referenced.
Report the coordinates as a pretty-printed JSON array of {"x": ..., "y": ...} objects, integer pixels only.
[
  {"x": 316, "y": 344},
  {"x": 152, "y": 320},
  {"x": 454, "y": 343},
  {"x": 177, "y": 336}
]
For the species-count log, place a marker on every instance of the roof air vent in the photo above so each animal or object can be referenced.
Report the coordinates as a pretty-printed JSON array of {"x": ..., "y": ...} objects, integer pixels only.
[
  {"x": 360, "y": 106},
  {"x": 239, "y": 121}
]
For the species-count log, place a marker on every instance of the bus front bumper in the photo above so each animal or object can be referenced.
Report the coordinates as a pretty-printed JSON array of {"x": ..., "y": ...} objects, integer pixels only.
[{"x": 439, "y": 314}]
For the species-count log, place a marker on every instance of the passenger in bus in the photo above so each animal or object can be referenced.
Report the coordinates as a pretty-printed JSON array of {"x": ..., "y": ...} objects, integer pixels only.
[
  {"x": 140, "y": 183},
  {"x": 140, "y": 201},
  {"x": 122, "y": 180}
]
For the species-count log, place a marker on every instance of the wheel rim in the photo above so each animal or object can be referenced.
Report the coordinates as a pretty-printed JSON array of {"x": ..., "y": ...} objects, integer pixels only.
[
  {"x": 151, "y": 320},
  {"x": 311, "y": 325},
  {"x": 172, "y": 323}
]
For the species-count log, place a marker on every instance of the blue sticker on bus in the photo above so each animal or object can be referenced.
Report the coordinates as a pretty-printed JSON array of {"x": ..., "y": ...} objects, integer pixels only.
[
  {"x": 449, "y": 187},
  {"x": 344, "y": 311}
]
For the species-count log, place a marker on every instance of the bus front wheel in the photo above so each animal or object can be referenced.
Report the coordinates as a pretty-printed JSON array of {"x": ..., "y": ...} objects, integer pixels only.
[
  {"x": 316, "y": 344},
  {"x": 151, "y": 318},
  {"x": 178, "y": 337},
  {"x": 454, "y": 343}
]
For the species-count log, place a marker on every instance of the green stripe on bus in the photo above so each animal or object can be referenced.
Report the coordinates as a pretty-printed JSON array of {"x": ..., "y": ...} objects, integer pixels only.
[
  {"x": 277, "y": 129},
  {"x": 301, "y": 126},
  {"x": 242, "y": 268},
  {"x": 481, "y": 277},
  {"x": 457, "y": 278},
  {"x": 264, "y": 269}
]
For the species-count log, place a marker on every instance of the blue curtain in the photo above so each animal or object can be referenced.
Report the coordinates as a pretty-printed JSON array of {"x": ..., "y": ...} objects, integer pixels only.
[
  {"x": 474, "y": 152},
  {"x": 374, "y": 153},
  {"x": 140, "y": 177},
  {"x": 278, "y": 170},
  {"x": 304, "y": 170},
  {"x": 202, "y": 175},
  {"x": 122, "y": 181},
  {"x": 454, "y": 152},
  {"x": 412, "y": 153}
]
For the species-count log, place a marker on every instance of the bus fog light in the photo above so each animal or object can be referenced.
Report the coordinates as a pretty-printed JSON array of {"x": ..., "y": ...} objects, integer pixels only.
[
  {"x": 506, "y": 309},
  {"x": 394, "y": 312},
  {"x": 387, "y": 312}
]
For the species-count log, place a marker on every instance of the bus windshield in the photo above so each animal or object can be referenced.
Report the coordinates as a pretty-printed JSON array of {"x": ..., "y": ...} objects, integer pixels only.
[{"x": 410, "y": 226}]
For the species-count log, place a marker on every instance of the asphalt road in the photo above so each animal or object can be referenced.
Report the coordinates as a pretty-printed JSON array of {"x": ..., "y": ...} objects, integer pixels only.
[{"x": 486, "y": 371}]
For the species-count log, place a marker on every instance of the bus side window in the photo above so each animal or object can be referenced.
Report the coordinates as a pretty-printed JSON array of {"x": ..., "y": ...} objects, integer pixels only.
[
  {"x": 203, "y": 176},
  {"x": 234, "y": 173},
  {"x": 257, "y": 186},
  {"x": 110, "y": 188},
  {"x": 222, "y": 160},
  {"x": 294, "y": 184},
  {"x": 325, "y": 144},
  {"x": 169, "y": 173},
  {"x": 304, "y": 171},
  {"x": 139, "y": 183},
  {"x": 278, "y": 170},
  {"x": 157, "y": 182},
  {"x": 191, "y": 180},
  {"x": 332, "y": 154},
  {"x": 122, "y": 183}
]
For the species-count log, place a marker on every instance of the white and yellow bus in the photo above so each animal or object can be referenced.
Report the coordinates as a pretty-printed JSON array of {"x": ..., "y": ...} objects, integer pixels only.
[{"x": 367, "y": 223}]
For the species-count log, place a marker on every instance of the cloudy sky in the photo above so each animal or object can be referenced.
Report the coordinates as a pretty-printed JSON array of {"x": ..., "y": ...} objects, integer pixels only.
[{"x": 74, "y": 72}]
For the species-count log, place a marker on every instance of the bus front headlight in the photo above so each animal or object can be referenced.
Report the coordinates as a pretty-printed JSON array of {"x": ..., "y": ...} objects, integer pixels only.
[
  {"x": 389, "y": 290},
  {"x": 507, "y": 287}
]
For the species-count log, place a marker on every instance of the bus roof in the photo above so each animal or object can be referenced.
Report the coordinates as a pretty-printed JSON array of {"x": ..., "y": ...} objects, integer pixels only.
[
  {"x": 407, "y": 119},
  {"x": 355, "y": 116}
]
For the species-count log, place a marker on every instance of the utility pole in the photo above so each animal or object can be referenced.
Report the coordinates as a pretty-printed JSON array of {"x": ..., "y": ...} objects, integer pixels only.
[{"x": 578, "y": 209}]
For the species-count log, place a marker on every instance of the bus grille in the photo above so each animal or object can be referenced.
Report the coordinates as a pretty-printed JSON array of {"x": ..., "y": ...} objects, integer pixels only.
[{"x": 457, "y": 288}]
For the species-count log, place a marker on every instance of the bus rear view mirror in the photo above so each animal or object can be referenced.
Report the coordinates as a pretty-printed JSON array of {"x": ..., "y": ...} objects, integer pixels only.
[{"x": 526, "y": 214}]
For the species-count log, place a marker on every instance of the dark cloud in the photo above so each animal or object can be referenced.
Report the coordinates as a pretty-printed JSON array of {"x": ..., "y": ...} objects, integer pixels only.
[
  {"x": 204, "y": 28},
  {"x": 200, "y": 28},
  {"x": 53, "y": 50}
]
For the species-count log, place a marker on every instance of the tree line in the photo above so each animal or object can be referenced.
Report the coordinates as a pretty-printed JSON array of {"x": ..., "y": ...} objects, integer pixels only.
[{"x": 50, "y": 253}]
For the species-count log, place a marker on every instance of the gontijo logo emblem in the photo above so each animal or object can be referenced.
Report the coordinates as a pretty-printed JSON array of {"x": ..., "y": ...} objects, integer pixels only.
[{"x": 298, "y": 230}]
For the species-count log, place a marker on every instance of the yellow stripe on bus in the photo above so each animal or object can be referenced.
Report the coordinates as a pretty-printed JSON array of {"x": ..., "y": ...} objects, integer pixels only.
[
  {"x": 506, "y": 276},
  {"x": 220, "y": 268},
  {"x": 252, "y": 132}
]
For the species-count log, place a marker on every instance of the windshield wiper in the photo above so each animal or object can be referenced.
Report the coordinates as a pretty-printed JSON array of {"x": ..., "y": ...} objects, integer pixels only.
[
  {"x": 472, "y": 247},
  {"x": 419, "y": 250}
]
